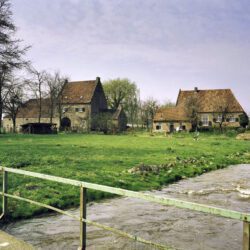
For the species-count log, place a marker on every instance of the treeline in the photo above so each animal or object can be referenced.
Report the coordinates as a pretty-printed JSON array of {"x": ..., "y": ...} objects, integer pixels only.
[{"x": 124, "y": 92}]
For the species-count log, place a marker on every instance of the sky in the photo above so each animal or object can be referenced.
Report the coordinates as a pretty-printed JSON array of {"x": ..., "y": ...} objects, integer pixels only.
[{"x": 161, "y": 45}]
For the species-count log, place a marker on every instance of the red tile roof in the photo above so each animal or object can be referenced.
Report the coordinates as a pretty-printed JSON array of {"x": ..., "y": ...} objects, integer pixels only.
[
  {"x": 170, "y": 114},
  {"x": 79, "y": 92},
  {"x": 30, "y": 109},
  {"x": 209, "y": 101}
]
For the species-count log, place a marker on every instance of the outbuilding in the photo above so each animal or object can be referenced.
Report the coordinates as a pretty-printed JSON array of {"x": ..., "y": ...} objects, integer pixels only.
[{"x": 39, "y": 128}]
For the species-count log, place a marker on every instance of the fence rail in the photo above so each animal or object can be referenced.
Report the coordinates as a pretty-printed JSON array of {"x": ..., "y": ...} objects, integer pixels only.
[{"x": 245, "y": 217}]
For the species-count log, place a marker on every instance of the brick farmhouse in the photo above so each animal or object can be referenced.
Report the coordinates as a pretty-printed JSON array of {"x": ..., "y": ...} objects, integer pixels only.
[
  {"x": 212, "y": 106},
  {"x": 83, "y": 103}
]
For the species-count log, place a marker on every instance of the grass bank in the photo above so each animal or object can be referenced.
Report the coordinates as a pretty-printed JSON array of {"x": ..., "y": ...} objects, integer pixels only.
[{"x": 136, "y": 162}]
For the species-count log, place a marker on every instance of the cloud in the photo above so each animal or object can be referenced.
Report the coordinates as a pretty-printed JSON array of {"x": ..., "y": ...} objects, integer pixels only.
[{"x": 169, "y": 44}]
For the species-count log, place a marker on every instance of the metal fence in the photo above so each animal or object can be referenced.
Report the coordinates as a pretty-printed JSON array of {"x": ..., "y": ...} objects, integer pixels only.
[{"x": 244, "y": 217}]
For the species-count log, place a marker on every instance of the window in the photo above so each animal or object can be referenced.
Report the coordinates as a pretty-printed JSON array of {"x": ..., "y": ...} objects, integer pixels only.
[
  {"x": 65, "y": 110},
  {"x": 158, "y": 127},
  {"x": 232, "y": 119},
  {"x": 80, "y": 109},
  {"x": 205, "y": 120},
  {"x": 219, "y": 118}
]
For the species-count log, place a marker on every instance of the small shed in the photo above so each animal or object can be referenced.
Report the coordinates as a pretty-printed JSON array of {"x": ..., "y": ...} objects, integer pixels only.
[{"x": 39, "y": 128}]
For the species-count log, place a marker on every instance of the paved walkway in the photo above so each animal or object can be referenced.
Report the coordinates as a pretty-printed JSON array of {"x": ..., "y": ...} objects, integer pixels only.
[{"x": 8, "y": 242}]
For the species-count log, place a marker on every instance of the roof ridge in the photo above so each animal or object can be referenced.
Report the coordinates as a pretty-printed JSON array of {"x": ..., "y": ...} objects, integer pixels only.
[
  {"x": 82, "y": 81},
  {"x": 193, "y": 90}
]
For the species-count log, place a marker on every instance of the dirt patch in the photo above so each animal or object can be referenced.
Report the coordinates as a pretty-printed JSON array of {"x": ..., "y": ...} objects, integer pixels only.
[{"x": 245, "y": 136}]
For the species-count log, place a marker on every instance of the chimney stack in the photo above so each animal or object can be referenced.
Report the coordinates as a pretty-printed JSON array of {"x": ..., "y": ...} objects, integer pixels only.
[{"x": 98, "y": 79}]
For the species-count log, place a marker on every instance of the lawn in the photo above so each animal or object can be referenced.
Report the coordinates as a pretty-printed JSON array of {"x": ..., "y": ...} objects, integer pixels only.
[{"x": 108, "y": 159}]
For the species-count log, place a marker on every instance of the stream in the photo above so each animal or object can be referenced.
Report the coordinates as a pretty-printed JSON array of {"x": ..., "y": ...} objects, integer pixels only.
[{"x": 182, "y": 229}]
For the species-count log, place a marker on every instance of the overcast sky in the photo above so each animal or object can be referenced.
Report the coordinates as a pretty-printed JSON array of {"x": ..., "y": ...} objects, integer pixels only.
[{"x": 162, "y": 45}]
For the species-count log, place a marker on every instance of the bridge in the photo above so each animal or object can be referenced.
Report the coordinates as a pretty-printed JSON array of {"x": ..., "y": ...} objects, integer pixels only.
[{"x": 82, "y": 218}]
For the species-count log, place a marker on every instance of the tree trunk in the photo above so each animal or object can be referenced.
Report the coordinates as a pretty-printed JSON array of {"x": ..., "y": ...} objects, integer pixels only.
[
  {"x": 14, "y": 124},
  {"x": 1, "y": 104},
  {"x": 221, "y": 128},
  {"x": 51, "y": 111},
  {"x": 1, "y": 114},
  {"x": 59, "y": 112},
  {"x": 40, "y": 103},
  {"x": 40, "y": 110}
]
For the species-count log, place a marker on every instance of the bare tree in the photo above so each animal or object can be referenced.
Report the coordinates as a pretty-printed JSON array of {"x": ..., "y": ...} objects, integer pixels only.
[
  {"x": 167, "y": 104},
  {"x": 61, "y": 82},
  {"x": 37, "y": 86},
  {"x": 149, "y": 108},
  {"x": 222, "y": 115},
  {"x": 55, "y": 83},
  {"x": 132, "y": 107},
  {"x": 11, "y": 52},
  {"x": 14, "y": 100},
  {"x": 192, "y": 107}
]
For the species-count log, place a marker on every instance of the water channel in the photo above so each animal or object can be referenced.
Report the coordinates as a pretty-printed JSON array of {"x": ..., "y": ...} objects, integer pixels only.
[{"x": 182, "y": 229}]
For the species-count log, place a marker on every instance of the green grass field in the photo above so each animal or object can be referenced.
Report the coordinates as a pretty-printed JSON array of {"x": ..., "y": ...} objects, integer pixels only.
[{"x": 106, "y": 159}]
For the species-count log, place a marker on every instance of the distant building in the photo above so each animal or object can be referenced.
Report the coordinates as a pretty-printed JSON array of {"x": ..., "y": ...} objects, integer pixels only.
[
  {"x": 211, "y": 105},
  {"x": 81, "y": 104}
]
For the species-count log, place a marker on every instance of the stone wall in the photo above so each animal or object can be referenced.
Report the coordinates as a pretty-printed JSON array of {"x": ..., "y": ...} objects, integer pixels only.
[
  {"x": 79, "y": 115},
  {"x": 8, "y": 125},
  {"x": 165, "y": 126},
  {"x": 79, "y": 119}
]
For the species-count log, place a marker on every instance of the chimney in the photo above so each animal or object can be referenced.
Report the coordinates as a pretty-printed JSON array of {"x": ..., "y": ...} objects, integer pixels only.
[
  {"x": 98, "y": 79},
  {"x": 196, "y": 89}
]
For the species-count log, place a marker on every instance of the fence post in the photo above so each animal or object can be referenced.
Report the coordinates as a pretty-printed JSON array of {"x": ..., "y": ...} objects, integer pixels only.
[
  {"x": 246, "y": 235},
  {"x": 5, "y": 190},
  {"x": 83, "y": 212}
]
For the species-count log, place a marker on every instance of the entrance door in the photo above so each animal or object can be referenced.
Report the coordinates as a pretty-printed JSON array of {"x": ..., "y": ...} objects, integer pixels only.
[
  {"x": 65, "y": 124},
  {"x": 171, "y": 128}
]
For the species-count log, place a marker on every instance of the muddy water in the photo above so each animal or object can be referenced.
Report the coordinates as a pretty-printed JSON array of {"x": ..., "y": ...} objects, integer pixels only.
[{"x": 182, "y": 229}]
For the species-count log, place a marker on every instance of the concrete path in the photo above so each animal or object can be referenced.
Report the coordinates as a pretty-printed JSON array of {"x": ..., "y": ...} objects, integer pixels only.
[{"x": 8, "y": 242}]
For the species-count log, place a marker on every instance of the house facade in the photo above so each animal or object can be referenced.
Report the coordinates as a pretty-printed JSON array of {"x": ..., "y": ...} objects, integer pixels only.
[
  {"x": 81, "y": 102},
  {"x": 211, "y": 109}
]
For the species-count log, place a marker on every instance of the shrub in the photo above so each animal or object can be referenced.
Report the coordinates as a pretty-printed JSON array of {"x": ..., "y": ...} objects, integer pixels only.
[
  {"x": 244, "y": 120},
  {"x": 231, "y": 132},
  {"x": 205, "y": 129},
  {"x": 241, "y": 130}
]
